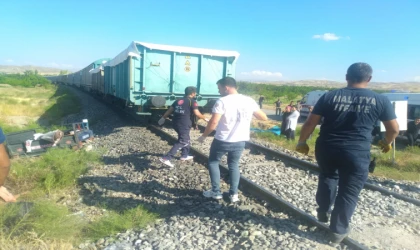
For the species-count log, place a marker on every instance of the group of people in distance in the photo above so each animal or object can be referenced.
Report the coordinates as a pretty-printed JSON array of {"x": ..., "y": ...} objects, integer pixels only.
[{"x": 342, "y": 148}]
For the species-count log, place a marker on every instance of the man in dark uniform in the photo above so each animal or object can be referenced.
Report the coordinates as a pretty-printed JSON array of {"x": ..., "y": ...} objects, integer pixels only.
[
  {"x": 181, "y": 122},
  {"x": 286, "y": 113},
  {"x": 261, "y": 100},
  {"x": 412, "y": 132},
  {"x": 278, "y": 108},
  {"x": 4, "y": 170},
  {"x": 343, "y": 147}
]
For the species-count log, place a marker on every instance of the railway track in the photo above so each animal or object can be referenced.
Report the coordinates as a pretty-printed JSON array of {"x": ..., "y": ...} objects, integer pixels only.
[
  {"x": 295, "y": 162},
  {"x": 260, "y": 189},
  {"x": 296, "y": 184},
  {"x": 248, "y": 186},
  {"x": 292, "y": 161}
]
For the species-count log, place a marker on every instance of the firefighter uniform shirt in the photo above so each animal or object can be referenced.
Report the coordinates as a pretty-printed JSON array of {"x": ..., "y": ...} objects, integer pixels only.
[
  {"x": 349, "y": 115},
  {"x": 183, "y": 109}
]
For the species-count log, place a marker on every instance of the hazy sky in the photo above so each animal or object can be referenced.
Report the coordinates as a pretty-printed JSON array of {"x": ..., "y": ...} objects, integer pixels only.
[{"x": 277, "y": 39}]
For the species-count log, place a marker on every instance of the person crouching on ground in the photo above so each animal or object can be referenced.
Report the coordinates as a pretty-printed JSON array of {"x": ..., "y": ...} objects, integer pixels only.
[
  {"x": 412, "y": 132},
  {"x": 232, "y": 115},
  {"x": 181, "y": 122}
]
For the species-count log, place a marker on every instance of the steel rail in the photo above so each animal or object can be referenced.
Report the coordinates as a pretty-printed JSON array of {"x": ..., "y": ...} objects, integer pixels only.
[
  {"x": 290, "y": 160},
  {"x": 295, "y": 162},
  {"x": 247, "y": 186}
]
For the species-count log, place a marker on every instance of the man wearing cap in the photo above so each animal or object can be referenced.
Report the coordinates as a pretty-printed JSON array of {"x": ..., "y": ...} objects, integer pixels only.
[
  {"x": 181, "y": 122},
  {"x": 342, "y": 149}
]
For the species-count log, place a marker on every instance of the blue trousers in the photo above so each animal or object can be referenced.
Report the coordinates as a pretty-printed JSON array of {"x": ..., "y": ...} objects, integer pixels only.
[
  {"x": 182, "y": 144},
  {"x": 234, "y": 152},
  {"x": 347, "y": 168}
]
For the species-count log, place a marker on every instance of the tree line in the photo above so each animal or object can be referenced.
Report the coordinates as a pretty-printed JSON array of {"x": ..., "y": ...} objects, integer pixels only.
[
  {"x": 272, "y": 92},
  {"x": 28, "y": 79}
]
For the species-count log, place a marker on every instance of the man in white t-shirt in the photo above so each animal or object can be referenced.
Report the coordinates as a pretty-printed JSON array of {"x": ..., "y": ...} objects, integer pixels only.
[
  {"x": 291, "y": 123},
  {"x": 232, "y": 115}
]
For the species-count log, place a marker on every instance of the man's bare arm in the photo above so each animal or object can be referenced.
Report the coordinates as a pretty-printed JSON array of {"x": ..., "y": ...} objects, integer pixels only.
[
  {"x": 260, "y": 115},
  {"x": 392, "y": 129},
  {"x": 309, "y": 126},
  {"x": 198, "y": 114},
  {"x": 168, "y": 112},
  {"x": 4, "y": 164},
  {"x": 212, "y": 124}
]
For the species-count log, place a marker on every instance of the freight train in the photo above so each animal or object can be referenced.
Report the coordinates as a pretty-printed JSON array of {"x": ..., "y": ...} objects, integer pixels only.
[{"x": 150, "y": 77}]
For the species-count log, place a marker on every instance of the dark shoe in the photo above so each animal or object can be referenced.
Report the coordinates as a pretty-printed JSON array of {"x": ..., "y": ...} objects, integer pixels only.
[
  {"x": 336, "y": 239},
  {"x": 323, "y": 217}
]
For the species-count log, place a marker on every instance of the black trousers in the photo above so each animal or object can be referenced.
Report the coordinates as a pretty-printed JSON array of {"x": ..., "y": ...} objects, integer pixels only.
[
  {"x": 349, "y": 170},
  {"x": 290, "y": 134},
  {"x": 411, "y": 139},
  {"x": 182, "y": 144}
]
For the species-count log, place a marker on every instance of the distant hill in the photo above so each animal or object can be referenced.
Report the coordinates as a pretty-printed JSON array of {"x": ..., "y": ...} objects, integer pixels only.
[
  {"x": 12, "y": 69},
  {"x": 400, "y": 86}
]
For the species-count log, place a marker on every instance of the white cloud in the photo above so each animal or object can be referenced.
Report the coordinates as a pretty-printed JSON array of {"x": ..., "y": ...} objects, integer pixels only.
[
  {"x": 9, "y": 60},
  {"x": 328, "y": 37},
  {"x": 383, "y": 71},
  {"x": 417, "y": 78},
  {"x": 262, "y": 73}
]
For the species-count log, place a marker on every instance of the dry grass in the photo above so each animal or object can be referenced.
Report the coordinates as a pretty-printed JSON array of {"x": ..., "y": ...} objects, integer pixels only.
[
  {"x": 25, "y": 102},
  {"x": 407, "y": 161},
  {"x": 35, "y": 108},
  {"x": 33, "y": 242},
  {"x": 405, "y": 167}
]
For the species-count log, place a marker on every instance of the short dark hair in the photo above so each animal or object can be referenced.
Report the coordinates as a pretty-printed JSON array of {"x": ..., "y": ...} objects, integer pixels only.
[
  {"x": 359, "y": 72},
  {"x": 189, "y": 90},
  {"x": 227, "y": 81}
]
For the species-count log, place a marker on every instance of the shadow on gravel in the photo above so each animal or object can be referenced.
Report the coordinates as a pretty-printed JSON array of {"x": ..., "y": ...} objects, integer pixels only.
[{"x": 162, "y": 194}]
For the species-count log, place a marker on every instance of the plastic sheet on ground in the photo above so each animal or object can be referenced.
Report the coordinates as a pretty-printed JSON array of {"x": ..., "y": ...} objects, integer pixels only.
[{"x": 275, "y": 130}]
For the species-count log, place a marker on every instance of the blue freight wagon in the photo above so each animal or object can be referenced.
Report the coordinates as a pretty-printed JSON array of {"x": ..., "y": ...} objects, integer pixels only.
[
  {"x": 85, "y": 74},
  {"x": 81, "y": 78},
  {"x": 150, "y": 77}
]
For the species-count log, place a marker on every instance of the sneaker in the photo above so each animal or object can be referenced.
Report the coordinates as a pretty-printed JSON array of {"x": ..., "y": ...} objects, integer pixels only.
[
  {"x": 336, "y": 239},
  {"x": 187, "y": 158},
  {"x": 210, "y": 194},
  {"x": 323, "y": 217},
  {"x": 234, "y": 198},
  {"x": 166, "y": 162}
]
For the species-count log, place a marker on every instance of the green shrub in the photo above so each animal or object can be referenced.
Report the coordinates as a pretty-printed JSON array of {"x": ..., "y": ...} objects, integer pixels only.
[
  {"x": 28, "y": 79},
  {"x": 115, "y": 222},
  {"x": 46, "y": 219},
  {"x": 57, "y": 169}
]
